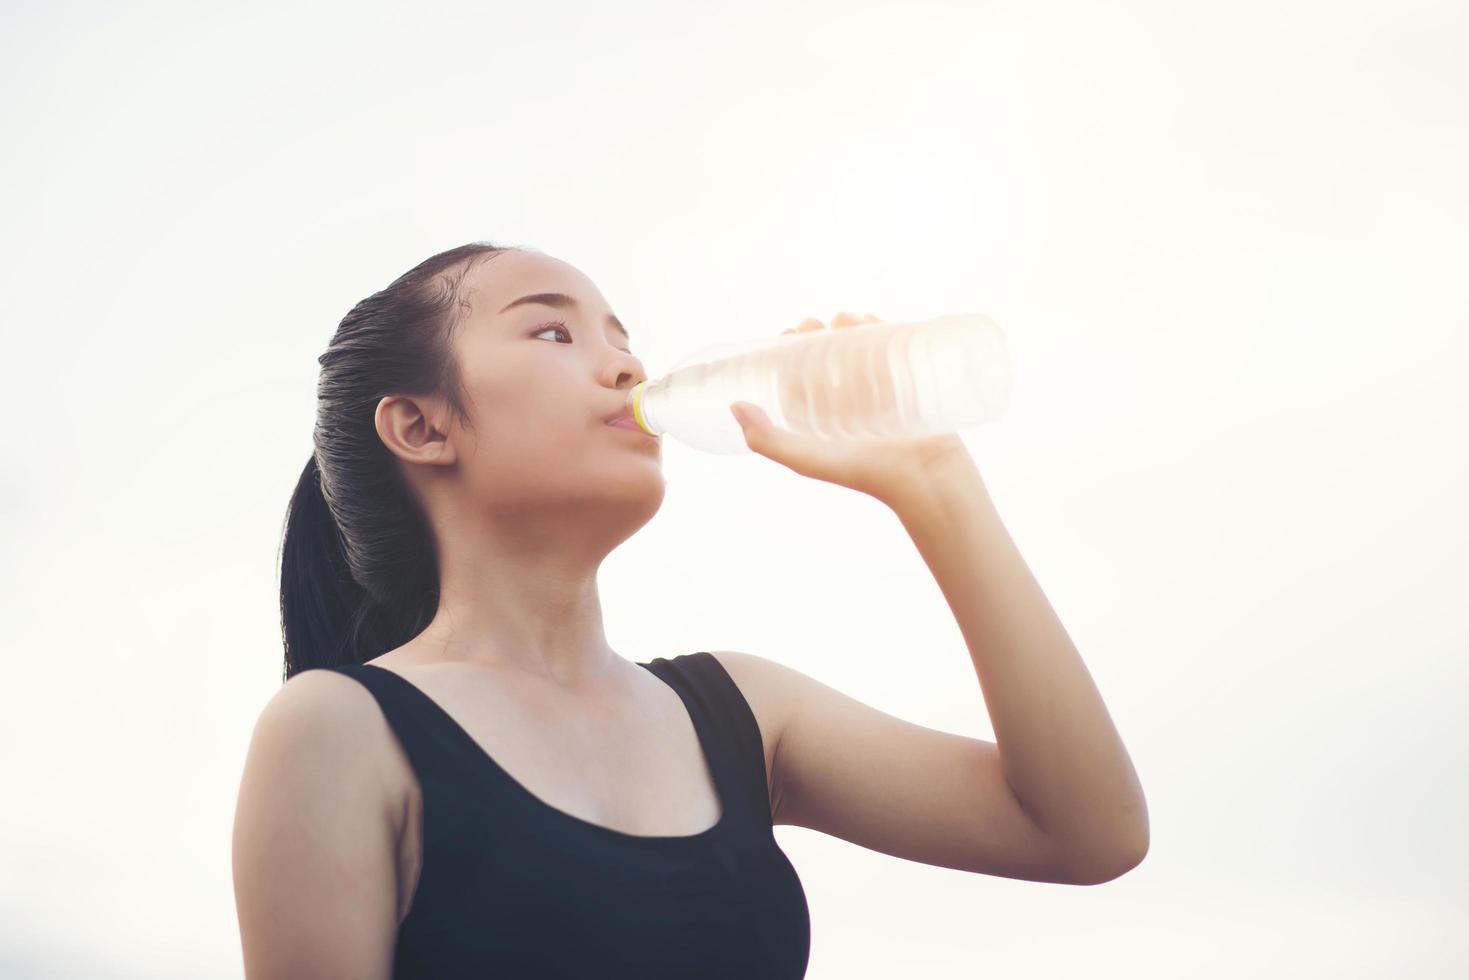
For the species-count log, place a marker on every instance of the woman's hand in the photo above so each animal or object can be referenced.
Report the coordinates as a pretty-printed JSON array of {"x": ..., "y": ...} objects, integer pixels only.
[{"x": 877, "y": 467}]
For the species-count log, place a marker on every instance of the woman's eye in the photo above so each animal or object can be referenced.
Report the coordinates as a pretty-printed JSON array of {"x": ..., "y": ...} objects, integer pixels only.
[{"x": 561, "y": 329}]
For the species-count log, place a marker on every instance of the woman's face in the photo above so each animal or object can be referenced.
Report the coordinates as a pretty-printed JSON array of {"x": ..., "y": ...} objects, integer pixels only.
[{"x": 541, "y": 381}]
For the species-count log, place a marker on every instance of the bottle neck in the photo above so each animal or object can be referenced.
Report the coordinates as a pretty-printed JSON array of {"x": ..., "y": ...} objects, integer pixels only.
[{"x": 639, "y": 414}]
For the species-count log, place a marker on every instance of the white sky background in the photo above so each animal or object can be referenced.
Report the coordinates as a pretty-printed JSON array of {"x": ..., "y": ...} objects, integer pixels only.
[{"x": 1226, "y": 242}]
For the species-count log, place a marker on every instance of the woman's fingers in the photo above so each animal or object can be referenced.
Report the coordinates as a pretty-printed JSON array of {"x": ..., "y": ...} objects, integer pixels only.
[
  {"x": 810, "y": 323},
  {"x": 843, "y": 319}
]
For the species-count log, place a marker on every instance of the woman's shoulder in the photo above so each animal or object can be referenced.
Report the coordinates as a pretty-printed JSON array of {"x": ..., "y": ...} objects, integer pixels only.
[
  {"x": 758, "y": 680},
  {"x": 326, "y": 706},
  {"x": 760, "y": 683},
  {"x": 344, "y": 702},
  {"x": 312, "y": 811},
  {"x": 325, "y": 725}
]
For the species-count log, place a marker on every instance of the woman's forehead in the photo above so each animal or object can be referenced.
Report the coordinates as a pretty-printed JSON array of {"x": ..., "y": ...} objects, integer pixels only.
[{"x": 490, "y": 286}]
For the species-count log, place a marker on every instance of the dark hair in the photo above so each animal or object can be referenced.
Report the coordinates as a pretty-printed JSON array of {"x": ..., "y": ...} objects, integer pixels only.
[{"x": 358, "y": 567}]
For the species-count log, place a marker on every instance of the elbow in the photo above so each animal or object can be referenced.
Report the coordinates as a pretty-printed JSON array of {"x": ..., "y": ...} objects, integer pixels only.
[
  {"x": 1117, "y": 862},
  {"x": 1129, "y": 839}
]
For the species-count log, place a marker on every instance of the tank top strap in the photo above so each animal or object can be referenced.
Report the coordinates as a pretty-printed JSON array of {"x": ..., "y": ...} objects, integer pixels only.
[
  {"x": 719, "y": 708},
  {"x": 429, "y": 739}
]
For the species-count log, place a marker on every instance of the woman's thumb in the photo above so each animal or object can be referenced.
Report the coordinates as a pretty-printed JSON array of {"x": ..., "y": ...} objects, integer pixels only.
[{"x": 752, "y": 419}]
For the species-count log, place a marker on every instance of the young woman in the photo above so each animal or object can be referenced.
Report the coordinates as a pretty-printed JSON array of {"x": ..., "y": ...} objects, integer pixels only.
[{"x": 461, "y": 778}]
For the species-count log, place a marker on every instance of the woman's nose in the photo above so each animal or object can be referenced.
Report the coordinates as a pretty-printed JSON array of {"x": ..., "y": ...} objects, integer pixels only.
[{"x": 625, "y": 366}]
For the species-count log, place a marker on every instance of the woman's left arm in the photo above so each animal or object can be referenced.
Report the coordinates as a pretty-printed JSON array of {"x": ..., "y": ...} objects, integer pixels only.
[
  {"x": 1055, "y": 796},
  {"x": 1059, "y": 750}
]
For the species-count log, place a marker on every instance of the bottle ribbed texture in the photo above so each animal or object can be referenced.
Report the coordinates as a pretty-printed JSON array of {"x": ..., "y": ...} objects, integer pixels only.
[{"x": 873, "y": 380}]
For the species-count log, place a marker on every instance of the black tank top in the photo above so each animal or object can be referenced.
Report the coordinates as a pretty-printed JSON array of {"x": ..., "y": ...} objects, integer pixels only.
[{"x": 512, "y": 887}]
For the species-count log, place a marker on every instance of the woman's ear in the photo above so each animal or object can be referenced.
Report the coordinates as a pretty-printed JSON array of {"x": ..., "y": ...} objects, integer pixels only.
[{"x": 412, "y": 428}]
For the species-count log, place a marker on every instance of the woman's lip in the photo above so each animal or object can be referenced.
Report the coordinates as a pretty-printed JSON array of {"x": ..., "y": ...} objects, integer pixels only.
[{"x": 626, "y": 422}]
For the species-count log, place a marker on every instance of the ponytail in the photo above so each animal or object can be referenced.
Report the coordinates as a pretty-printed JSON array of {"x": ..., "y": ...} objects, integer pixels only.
[
  {"x": 358, "y": 565},
  {"x": 319, "y": 597}
]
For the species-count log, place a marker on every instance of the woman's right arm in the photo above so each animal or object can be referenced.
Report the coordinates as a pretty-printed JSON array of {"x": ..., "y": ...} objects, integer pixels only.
[{"x": 314, "y": 842}]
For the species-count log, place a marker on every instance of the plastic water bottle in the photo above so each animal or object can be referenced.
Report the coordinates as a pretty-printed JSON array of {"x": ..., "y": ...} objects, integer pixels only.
[{"x": 870, "y": 380}]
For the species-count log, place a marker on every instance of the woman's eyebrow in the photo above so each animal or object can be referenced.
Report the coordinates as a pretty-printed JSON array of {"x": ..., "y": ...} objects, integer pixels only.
[{"x": 561, "y": 301}]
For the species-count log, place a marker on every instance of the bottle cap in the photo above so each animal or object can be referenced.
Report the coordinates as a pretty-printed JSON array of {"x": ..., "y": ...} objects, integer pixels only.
[{"x": 636, "y": 398}]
